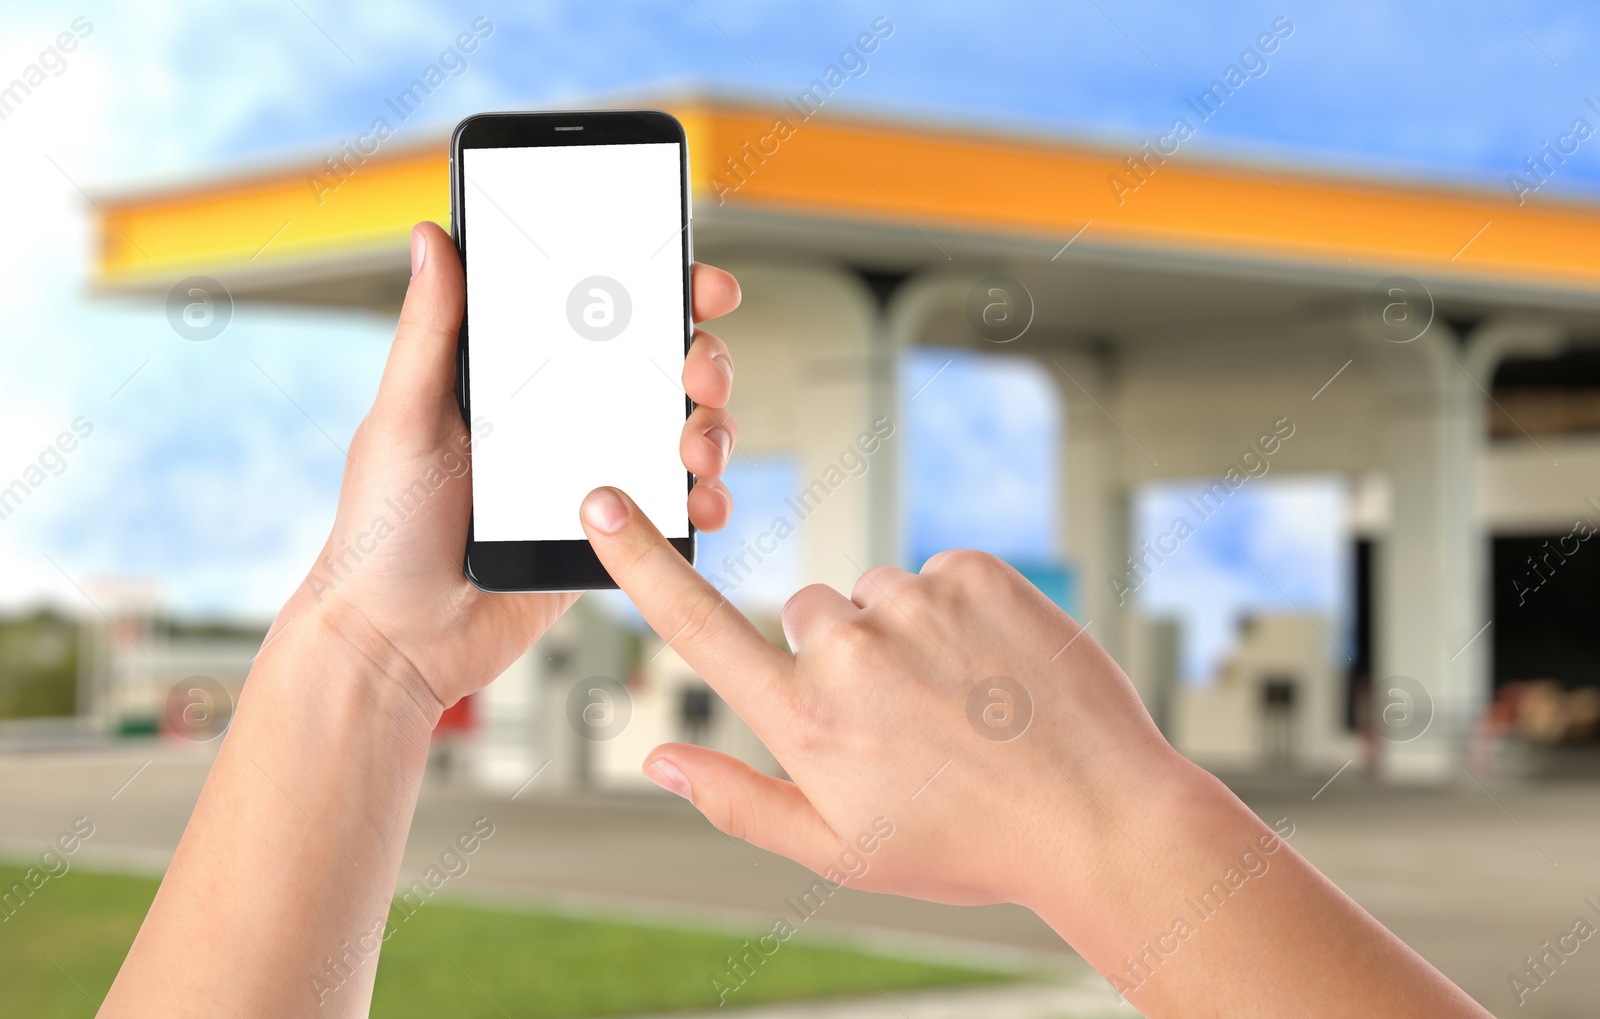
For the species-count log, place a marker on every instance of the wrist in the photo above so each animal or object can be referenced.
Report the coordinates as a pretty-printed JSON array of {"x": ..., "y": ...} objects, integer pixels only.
[
  {"x": 1165, "y": 835},
  {"x": 333, "y": 657},
  {"x": 1121, "y": 845}
]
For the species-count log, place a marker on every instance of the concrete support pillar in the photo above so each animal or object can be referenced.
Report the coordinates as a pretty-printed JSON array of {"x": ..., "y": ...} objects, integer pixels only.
[
  {"x": 1431, "y": 594},
  {"x": 1095, "y": 510},
  {"x": 1432, "y": 598},
  {"x": 814, "y": 374}
]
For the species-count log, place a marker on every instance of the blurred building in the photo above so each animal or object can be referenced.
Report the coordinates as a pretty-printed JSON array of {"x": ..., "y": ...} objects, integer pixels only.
[
  {"x": 142, "y": 672},
  {"x": 1182, "y": 306}
]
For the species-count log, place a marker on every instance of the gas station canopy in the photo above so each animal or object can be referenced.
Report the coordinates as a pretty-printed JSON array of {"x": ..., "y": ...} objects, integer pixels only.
[{"x": 904, "y": 195}]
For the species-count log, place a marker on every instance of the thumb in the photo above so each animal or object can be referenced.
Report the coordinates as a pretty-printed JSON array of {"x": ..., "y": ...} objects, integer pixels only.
[
  {"x": 421, "y": 371},
  {"x": 740, "y": 801}
]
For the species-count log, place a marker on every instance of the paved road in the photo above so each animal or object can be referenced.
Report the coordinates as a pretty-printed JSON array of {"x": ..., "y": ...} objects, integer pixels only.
[{"x": 1474, "y": 879}]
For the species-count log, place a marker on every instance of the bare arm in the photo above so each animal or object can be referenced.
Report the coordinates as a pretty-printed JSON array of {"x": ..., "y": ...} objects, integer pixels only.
[
  {"x": 967, "y": 736},
  {"x": 278, "y": 896},
  {"x": 276, "y": 899}
]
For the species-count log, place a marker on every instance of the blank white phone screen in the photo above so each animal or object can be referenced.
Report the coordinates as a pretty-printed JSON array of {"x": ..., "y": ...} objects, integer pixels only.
[{"x": 575, "y": 318}]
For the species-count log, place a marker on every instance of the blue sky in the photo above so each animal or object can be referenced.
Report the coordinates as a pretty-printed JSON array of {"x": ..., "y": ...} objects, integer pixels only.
[
  {"x": 1464, "y": 89},
  {"x": 988, "y": 428},
  {"x": 201, "y": 475}
]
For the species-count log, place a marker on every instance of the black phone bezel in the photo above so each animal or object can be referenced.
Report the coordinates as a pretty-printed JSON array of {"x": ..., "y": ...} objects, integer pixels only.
[{"x": 567, "y": 565}]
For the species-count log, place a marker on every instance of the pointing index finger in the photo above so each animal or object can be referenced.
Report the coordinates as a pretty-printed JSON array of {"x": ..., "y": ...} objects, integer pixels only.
[{"x": 694, "y": 618}]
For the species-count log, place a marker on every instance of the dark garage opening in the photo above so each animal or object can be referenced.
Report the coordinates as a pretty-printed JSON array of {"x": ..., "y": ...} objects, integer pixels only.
[{"x": 1550, "y": 631}]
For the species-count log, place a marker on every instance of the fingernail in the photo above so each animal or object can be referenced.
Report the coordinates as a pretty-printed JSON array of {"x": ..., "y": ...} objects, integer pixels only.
[
  {"x": 419, "y": 249},
  {"x": 722, "y": 438},
  {"x": 605, "y": 511},
  {"x": 727, "y": 365},
  {"x": 666, "y": 775}
]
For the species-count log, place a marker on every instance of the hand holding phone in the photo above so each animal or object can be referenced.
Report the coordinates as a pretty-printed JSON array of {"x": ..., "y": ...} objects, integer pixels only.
[
  {"x": 329, "y": 743},
  {"x": 389, "y": 577}
]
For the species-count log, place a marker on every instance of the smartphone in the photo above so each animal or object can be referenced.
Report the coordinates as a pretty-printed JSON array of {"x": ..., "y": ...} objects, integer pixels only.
[{"x": 574, "y": 232}]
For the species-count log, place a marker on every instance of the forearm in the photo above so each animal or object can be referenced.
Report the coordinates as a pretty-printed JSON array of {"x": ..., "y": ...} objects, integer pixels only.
[
  {"x": 1202, "y": 910},
  {"x": 293, "y": 850}
]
